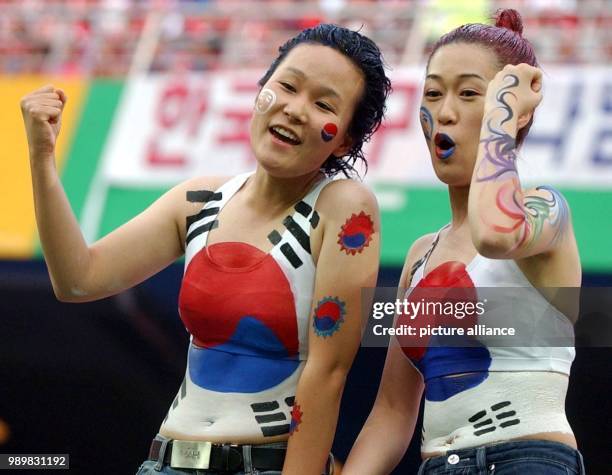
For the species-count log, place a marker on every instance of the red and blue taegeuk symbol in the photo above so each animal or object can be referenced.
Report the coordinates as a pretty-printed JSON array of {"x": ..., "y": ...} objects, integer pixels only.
[
  {"x": 240, "y": 309},
  {"x": 356, "y": 233},
  {"x": 329, "y": 131},
  {"x": 438, "y": 357},
  {"x": 296, "y": 418},
  {"x": 328, "y": 316}
]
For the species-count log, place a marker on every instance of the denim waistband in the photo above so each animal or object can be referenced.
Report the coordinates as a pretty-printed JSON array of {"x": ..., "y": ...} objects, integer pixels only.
[{"x": 483, "y": 457}]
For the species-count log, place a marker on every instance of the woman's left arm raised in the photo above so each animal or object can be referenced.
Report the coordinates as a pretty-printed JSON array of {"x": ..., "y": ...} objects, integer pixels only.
[
  {"x": 506, "y": 221},
  {"x": 347, "y": 263}
]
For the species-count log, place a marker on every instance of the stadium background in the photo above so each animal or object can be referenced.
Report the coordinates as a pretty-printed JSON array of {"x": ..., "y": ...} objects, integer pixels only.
[{"x": 162, "y": 90}]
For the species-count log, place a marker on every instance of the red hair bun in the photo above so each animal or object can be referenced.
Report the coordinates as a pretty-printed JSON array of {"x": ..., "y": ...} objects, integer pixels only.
[{"x": 510, "y": 19}]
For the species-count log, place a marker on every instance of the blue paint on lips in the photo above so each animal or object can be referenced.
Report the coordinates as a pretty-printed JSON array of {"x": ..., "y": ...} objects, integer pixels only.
[{"x": 447, "y": 153}]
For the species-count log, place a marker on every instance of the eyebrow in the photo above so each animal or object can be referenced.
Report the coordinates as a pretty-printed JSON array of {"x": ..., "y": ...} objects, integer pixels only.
[
  {"x": 461, "y": 76},
  {"x": 326, "y": 91}
]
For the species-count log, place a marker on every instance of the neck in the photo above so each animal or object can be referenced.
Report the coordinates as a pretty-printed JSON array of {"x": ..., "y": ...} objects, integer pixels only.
[
  {"x": 458, "y": 196},
  {"x": 272, "y": 194}
]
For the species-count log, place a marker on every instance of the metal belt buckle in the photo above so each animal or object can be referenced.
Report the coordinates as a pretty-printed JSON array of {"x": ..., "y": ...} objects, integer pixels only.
[{"x": 190, "y": 454}]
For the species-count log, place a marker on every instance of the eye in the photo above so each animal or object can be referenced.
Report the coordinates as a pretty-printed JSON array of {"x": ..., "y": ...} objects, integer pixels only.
[
  {"x": 432, "y": 93},
  {"x": 287, "y": 86},
  {"x": 469, "y": 93},
  {"x": 325, "y": 106}
]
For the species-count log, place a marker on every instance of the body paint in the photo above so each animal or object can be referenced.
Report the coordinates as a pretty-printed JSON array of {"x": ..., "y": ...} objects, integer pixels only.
[
  {"x": 528, "y": 213},
  {"x": 426, "y": 123},
  {"x": 296, "y": 418},
  {"x": 356, "y": 233},
  {"x": 328, "y": 316},
  {"x": 201, "y": 196},
  {"x": 444, "y": 153},
  {"x": 329, "y": 131},
  {"x": 265, "y": 100},
  {"x": 499, "y": 158},
  {"x": 533, "y": 213}
]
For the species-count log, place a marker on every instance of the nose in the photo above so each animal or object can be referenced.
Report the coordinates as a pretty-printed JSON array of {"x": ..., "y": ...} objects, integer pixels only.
[
  {"x": 447, "y": 114},
  {"x": 295, "y": 109}
]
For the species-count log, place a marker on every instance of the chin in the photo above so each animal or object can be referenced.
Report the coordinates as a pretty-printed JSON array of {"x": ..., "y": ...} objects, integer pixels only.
[{"x": 452, "y": 175}]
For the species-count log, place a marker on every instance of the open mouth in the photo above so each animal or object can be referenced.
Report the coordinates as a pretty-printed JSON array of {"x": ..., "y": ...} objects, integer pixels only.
[
  {"x": 285, "y": 135},
  {"x": 445, "y": 146}
]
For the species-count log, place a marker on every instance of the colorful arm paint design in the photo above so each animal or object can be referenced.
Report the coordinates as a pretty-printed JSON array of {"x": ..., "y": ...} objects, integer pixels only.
[
  {"x": 356, "y": 233},
  {"x": 296, "y": 418},
  {"x": 328, "y": 316},
  {"x": 499, "y": 147},
  {"x": 532, "y": 214},
  {"x": 336, "y": 319},
  {"x": 529, "y": 216}
]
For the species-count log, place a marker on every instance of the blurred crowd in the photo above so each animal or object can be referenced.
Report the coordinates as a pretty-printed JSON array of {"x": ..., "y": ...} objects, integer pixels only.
[{"x": 113, "y": 38}]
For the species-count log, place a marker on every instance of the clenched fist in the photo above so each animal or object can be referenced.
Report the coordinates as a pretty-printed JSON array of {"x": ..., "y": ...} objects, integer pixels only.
[
  {"x": 42, "y": 114},
  {"x": 519, "y": 85}
]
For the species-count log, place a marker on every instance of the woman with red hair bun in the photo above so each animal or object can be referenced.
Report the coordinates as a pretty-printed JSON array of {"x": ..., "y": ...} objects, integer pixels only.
[{"x": 487, "y": 409}]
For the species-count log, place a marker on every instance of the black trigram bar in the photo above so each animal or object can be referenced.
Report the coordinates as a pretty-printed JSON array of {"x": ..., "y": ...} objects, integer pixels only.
[
  {"x": 274, "y": 417},
  {"x": 184, "y": 388},
  {"x": 303, "y": 208},
  {"x": 203, "y": 196},
  {"x": 513, "y": 422},
  {"x": 484, "y": 431},
  {"x": 483, "y": 423},
  {"x": 291, "y": 256},
  {"x": 275, "y": 430},
  {"x": 202, "y": 214},
  {"x": 499, "y": 405},
  {"x": 503, "y": 415},
  {"x": 298, "y": 233},
  {"x": 314, "y": 220},
  {"x": 202, "y": 229},
  {"x": 477, "y": 416},
  {"x": 274, "y": 237},
  {"x": 264, "y": 406}
]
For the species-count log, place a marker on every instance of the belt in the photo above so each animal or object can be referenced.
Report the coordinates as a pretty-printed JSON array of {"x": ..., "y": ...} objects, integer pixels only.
[{"x": 208, "y": 456}]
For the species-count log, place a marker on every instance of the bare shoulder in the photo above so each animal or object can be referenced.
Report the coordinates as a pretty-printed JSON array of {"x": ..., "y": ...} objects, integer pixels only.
[
  {"x": 193, "y": 193},
  {"x": 346, "y": 195},
  {"x": 188, "y": 197},
  {"x": 420, "y": 247},
  {"x": 415, "y": 253}
]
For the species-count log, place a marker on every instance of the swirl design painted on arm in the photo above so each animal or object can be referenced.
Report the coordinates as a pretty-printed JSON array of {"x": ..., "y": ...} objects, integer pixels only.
[{"x": 499, "y": 146}]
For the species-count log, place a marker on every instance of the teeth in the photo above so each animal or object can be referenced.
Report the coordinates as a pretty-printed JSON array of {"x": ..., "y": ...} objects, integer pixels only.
[{"x": 286, "y": 133}]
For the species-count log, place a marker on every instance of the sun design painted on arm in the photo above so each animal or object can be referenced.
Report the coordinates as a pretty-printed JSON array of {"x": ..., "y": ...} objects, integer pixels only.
[
  {"x": 328, "y": 316},
  {"x": 356, "y": 233}
]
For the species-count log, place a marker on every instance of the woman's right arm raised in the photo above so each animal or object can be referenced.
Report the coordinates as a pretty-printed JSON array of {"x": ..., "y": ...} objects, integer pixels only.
[{"x": 125, "y": 257}]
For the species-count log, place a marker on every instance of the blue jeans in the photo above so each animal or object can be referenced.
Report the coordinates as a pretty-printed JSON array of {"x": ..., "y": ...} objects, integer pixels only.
[
  {"x": 533, "y": 457},
  {"x": 149, "y": 466}
]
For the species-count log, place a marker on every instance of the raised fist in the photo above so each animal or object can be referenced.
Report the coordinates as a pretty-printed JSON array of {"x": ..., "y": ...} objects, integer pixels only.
[
  {"x": 42, "y": 113},
  {"x": 520, "y": 86}
]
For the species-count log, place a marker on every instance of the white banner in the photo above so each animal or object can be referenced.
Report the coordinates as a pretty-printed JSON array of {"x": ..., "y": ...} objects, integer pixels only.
[{"x": 170, "y": 128}]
